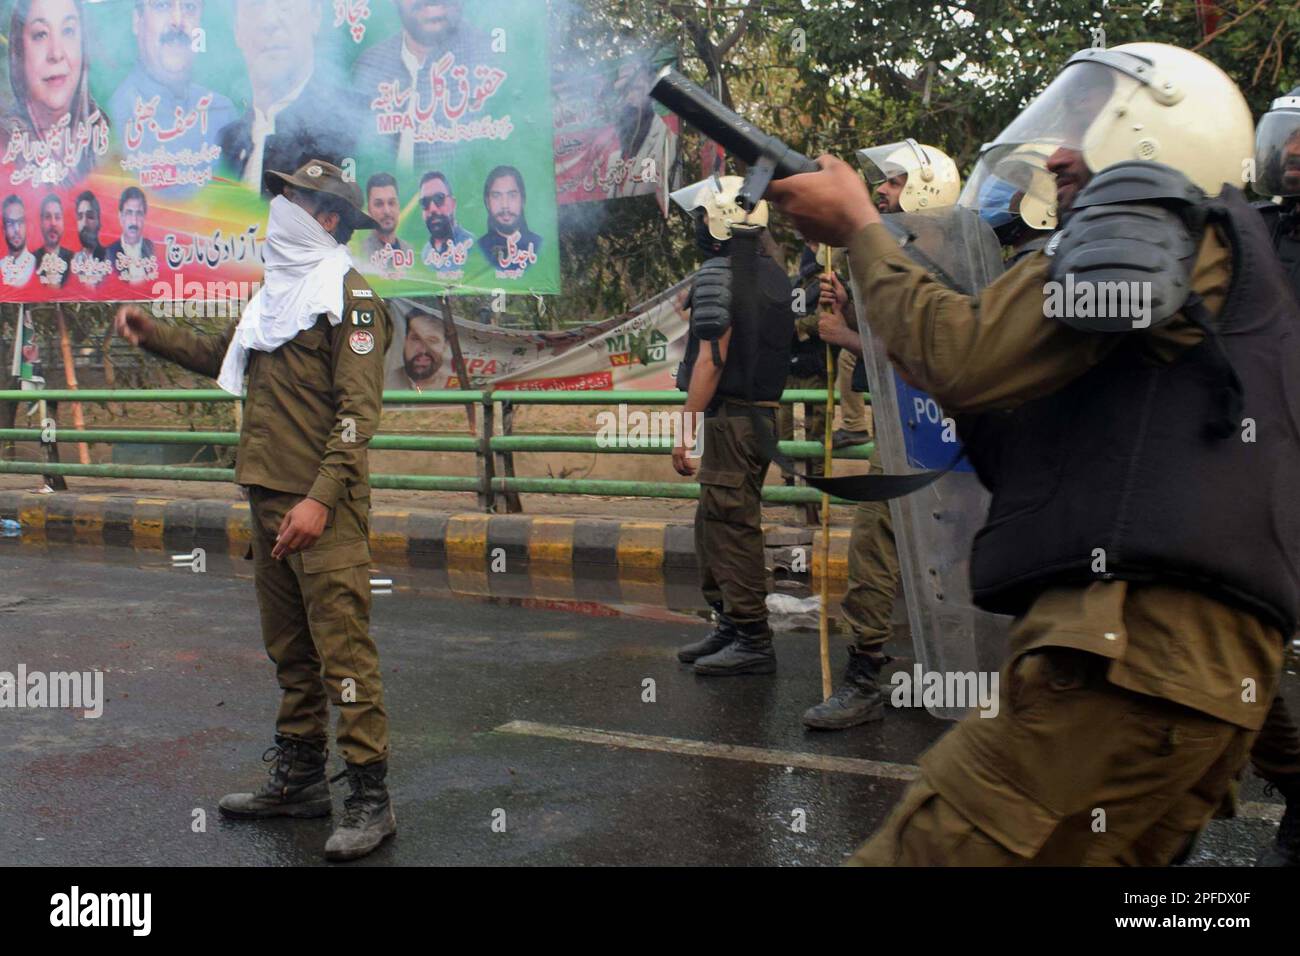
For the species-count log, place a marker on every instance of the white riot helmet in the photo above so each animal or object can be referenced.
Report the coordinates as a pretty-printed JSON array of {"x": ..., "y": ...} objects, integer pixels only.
[
  {"x": 716, "y": 197},
  {"x": 1013, "y": 186},
  {"x": 932, "y": 178},
  {"x": 1277, "y": 148},
  {"x": 1138, "y": 101}
]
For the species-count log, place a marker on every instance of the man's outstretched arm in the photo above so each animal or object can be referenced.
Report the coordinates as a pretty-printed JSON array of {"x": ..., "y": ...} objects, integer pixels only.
[{"x": 198, "y": 353}]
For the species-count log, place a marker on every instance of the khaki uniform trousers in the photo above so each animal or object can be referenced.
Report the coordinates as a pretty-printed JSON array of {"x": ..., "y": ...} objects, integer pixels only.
[
  {"x": 729, "y": 518},
  {"x": 315, "y": 610},
  {"x": 868, "y": 604},
  {"x": 1072, "y": 771}
]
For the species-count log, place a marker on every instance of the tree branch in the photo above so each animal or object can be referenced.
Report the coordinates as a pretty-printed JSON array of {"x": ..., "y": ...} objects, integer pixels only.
[
  {"x": 1229, "y": 25},
  {"x": 734, "y": 37}
]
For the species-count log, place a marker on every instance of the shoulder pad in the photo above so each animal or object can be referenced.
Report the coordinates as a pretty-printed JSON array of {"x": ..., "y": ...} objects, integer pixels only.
[
  {"x": 1137, "y": 181},
  {"x": 1123, "y": 261},
  {"x": 711, "y": 300}
]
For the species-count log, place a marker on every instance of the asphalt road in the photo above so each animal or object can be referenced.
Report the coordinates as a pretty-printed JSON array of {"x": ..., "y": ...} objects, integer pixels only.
[{"x": 526, "y": 714}]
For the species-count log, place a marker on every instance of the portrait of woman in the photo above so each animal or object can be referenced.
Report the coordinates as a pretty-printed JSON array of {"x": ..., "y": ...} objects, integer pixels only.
[{"x": 56, "y": 130}]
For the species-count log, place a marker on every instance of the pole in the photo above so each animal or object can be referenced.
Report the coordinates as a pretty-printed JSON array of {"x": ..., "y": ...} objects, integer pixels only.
[
  {"x": 70, "y": 375},
  {"x": 824, "y": 624},
  {"x": 457, "y": 357}
]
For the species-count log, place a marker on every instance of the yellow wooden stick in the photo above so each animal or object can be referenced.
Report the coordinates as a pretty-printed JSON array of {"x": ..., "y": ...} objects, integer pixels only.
[{"x": 824, "y": 629}]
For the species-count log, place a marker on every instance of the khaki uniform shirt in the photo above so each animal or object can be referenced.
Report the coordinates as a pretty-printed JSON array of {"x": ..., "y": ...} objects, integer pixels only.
[
  {"x": 998, "y": 350},
  {"x": 313, "y": 404}
]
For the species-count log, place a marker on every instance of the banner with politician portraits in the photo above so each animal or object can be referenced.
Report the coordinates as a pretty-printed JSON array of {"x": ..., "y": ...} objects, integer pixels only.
[{"x": 134, "y": 135}]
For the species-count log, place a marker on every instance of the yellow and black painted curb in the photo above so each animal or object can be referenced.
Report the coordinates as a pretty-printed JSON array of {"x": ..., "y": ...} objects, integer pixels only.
[{"x": 560, "y": 558}]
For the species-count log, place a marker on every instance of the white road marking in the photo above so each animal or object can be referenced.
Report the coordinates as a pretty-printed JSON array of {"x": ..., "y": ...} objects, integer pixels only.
[
  {"x": 1247, "y": 810},
  {"x": 704, "y": 748}
]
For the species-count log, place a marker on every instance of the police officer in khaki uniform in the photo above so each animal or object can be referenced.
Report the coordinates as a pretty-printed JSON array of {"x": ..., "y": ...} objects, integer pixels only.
[
  {"x": 1151, "y": 590},
  {"x": 313, "y": 342},
  {"x": 907, "y": 177},
  {"x": 733, "y": 373},
  {"x": 873, "y": 573}
]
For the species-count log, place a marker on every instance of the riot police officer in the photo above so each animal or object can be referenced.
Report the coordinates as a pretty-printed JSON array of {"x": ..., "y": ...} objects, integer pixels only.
[
  {"x": 1276, "y": 754},
  {"x": 1022, "y": 216},
  {"x": 907, "y": 177},
  {"x": 733, "y": 373},
  {"x": 1140, "y": 461}
]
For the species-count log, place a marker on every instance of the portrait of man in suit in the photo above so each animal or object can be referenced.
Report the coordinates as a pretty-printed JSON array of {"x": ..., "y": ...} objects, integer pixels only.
[
  {"x": 53, "y": 262},
  {"x": 132, "y": 256},
  {"x": 434, "y": 37},
  {"x": 297, "y": 112}
]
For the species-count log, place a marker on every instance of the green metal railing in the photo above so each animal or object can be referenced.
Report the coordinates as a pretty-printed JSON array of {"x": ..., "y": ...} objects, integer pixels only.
[{"x": 495, "y": 482}]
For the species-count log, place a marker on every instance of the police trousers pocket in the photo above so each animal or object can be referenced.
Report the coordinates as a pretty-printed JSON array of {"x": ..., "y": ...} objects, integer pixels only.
[
  {"x": 1038, "y": 676},
  {"x": 336, "y": 557},
  {"x": 723, "y": 498}
]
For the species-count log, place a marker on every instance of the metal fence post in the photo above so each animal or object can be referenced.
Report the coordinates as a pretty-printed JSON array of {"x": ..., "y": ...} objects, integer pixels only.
[
  {"x": 507, "y": 459},
  {"x": 483, "y": 456}
]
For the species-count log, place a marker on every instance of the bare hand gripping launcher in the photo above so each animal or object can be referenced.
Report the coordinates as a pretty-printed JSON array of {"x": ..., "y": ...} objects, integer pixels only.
[{"x": 767, "y": 157}]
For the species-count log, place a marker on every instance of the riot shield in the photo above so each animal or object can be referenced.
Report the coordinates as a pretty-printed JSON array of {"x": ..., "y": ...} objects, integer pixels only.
[{"x": 934, "y": 527}]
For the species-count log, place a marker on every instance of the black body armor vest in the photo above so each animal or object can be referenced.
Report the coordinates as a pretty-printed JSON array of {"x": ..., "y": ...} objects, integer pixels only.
[
  {"x": 762, "y": 326},
  {"x": 1116, "y": 476}
]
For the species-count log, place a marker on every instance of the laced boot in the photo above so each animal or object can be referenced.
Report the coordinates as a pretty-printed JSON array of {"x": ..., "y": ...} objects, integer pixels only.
[
  {"x": 368, "y": 818},
  {"x": 723, "y": 633},
  {"x": 750, "y": 653},
  {"x": 296, "y": 788},
  {"x": 857, "y": 700}
]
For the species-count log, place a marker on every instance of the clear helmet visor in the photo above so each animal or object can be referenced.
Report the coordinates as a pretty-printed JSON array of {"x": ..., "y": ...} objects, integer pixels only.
[
  {"x": 1012, "y": 180},
  {"x": 881, "y": 163},
  {"x": 1277, "y": 153},
  {"x": 921, "y": 176},
  {"x": 1065, "y": 113}
]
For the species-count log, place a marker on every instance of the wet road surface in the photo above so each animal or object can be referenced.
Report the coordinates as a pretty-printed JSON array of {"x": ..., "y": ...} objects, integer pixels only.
[{"x": 523, "y": 712}]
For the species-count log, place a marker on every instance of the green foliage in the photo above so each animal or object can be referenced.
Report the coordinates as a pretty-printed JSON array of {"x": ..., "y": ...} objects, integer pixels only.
[{"x": 837, "y": 75}]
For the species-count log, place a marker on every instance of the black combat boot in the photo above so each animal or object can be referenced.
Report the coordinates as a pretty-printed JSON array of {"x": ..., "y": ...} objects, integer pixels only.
[
  {"x": 297, "y": 786},
  {"x": 857, "y": 701},
  {"x": 718, "y": 638},
  {"x": 368, "y": 818},
  {"x": 750, "y": 653},
  {"x": 723, "y": 633},
  {"x": 1285, "y": 851}
]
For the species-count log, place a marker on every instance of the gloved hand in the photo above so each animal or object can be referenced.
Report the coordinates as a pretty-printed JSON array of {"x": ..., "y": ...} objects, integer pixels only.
[{"x": 711, "y": 300}]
